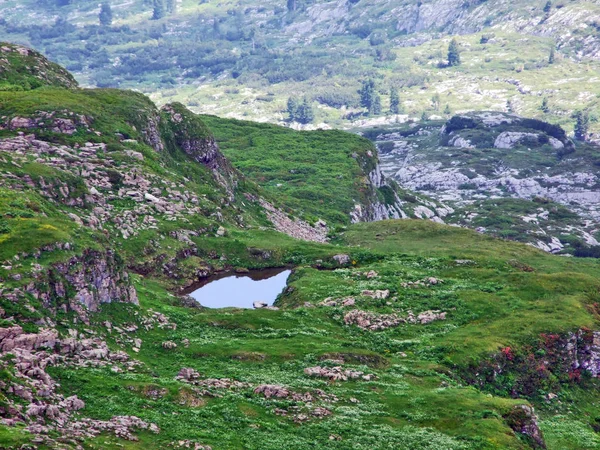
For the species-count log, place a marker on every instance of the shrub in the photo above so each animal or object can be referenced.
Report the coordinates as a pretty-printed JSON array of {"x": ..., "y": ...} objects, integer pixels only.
[
  {"x": 5, "y": 227},
  {"x": 460, "y": 123}
]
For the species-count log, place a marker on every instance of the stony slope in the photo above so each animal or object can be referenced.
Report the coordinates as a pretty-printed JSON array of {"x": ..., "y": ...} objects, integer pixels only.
[{"x": 516, "y": 178}]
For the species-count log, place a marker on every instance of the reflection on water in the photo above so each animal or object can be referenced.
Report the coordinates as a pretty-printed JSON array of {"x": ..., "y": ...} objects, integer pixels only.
[{"x": 240, "y": 290}]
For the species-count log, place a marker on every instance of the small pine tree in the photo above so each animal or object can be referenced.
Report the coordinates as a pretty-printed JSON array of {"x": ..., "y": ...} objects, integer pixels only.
[
  {"x": 447, "y": 110},
  {"x": 552, "y": 56},
  {"x": 159, "y": 10},
  {"x": 369, "y": 98},
  {"x": 171, "y": 6},
  {"x": 292, "y": 108},
  {"x": 105, "y": 15},
  {"x": 394, "y": 101},
  {"x": 305, "y": 112},
  {"x": 545, "y": 108},
  {"x": 582, "y": 124},
  {"x": 435, "y": 102},
  {"x": 548, "y": 7},
  {"x": 367, "y": 92},
  {"x": 376, "y": 109},
  {"x": 453, "y": 53}
]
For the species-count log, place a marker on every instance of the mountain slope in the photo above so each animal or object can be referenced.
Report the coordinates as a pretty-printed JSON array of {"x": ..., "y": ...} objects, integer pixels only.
[
  {"x": 394, "y": 334},
  {"x": 244, "y": 61},
  {"x": 24, "y": 69},
  {"x": 513, "y": 177}
]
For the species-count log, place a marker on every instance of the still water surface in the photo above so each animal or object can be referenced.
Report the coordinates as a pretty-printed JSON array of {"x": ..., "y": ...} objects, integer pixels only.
[{"x": 241, "y": 290}]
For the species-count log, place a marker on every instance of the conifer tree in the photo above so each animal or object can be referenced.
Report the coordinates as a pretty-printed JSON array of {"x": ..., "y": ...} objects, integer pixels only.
[
  {"x": 369, "y": 98},
  {"x": 159, "y": 10},
  {"x": 305, "y": 112},
  {"x": 582, "y": 124},
  {"x": 453, "y": 53},
  {"x": 552, "y": 56},
  {"x": 376, "y": 109},
  {"x": 292, "y": 108},
  {"x": 394, "y": 101},
  {"x": 105, "y": 17}
]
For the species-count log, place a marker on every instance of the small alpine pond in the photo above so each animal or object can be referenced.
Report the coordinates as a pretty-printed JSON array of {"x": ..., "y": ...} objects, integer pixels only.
[{"x": 240, "y": 290}]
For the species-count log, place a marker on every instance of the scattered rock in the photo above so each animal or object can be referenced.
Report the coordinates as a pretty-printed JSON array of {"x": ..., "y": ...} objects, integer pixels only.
[
  {"x": 342, "y": 259},
  {"x": 382, "y": 295},
  {"x": 337, "y": 373}
]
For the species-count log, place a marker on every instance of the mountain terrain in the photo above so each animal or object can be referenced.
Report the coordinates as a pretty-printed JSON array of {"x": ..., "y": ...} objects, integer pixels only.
[
  {"x": 243, "y": 60},
  {"x": 499, "y": 173},
  {"x": 389, "y": 334}
]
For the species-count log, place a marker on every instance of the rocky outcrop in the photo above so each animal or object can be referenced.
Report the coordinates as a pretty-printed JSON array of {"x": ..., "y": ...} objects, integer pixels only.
[
  {"x": 47, "y": 412},
  {"x": 506, "y": 131},
  {"x": 583, "y": 351},
  {"x": 151, "y": 131},
  {"x": 373, "y": 209},
  {"x": 62, "y": 122},
  {"x": 509, "y": 139},
  {"x": 209, "y": 387},
  {"x": 522, "y": 420},
  {"x": 338, "y": 373},
  {"x": 85, "y": 282},
  {"x": 465, "y": 185},
  {"x": 376, "y": 322},
  {"x": 189, "y": 134},
  {"x": 540, "y": 367},
  {"x": 294, "y": 227}
]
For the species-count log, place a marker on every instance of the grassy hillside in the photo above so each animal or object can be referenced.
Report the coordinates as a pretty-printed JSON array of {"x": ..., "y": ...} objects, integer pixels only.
[
  {"x": 417, "y": 401},
  {"x": 396, "y": 334},
  {"x": 24, "y": 69},
  {"x": 322, "y": 174}
]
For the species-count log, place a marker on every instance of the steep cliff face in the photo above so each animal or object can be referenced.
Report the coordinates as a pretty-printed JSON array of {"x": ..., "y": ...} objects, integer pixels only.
[
  {"x": 425, "y": 19},
  {"x": 187, "y": 132},
  {"x": 381, "y": 199},
  {"x": 378, "y": 206}
]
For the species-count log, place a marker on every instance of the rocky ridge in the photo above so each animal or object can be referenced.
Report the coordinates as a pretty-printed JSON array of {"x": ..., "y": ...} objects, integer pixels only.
[
  {"x": 476, "y": 158},
  {"x": 24, "y": 68}
]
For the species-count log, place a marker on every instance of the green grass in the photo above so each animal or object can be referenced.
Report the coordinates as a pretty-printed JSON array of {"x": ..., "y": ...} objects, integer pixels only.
[
  {"x": 22, "y": 72},
  {"x": 319, "y": 173},
  {"x": 496, "y": 294},
  {"x": 417, "y": 400}
]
